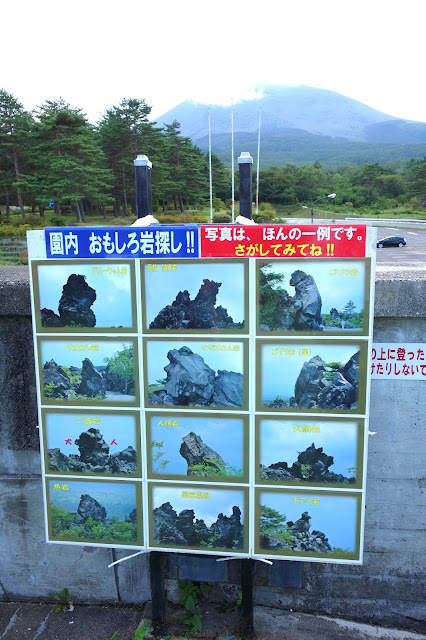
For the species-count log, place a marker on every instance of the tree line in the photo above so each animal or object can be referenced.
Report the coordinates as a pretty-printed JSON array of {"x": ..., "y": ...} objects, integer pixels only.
[{"x": 54, "y": 154}]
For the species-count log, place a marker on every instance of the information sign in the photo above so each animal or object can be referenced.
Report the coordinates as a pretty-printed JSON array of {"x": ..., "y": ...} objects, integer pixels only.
[{"x": 197, "y": 396}]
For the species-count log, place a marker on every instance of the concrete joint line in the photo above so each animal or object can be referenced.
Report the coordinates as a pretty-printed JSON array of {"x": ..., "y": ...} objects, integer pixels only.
[
  {"x": 42, "y": 627},
  {"x": 11, "y": 622}
]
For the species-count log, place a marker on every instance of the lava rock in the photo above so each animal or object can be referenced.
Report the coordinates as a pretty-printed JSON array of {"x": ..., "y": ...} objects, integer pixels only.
[
  {"x": 92, "y": 447},
  {"x": 75, "y": 302},
  {"x": 50, "y": 319},
  {"x": 199, "y": 313},
  {"x": 90, "y": 508},
  {"x": 228, "y": 389},
  {"x": 92, "y": 382},
  {"x": 196, "y": 452},
  {"x": 189, "y": 379},
  {"x": 54, "y": 374}
]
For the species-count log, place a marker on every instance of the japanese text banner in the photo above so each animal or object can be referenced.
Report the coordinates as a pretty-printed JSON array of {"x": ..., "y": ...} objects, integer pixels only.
[
  {"x": 283, "y": 241},
  {"x": 403, "y": 361},
  {"x": 122, "y": 242}
]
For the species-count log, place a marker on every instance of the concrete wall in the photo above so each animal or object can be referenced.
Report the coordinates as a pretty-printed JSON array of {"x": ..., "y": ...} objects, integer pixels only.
[{"x": 388, "y": 589}]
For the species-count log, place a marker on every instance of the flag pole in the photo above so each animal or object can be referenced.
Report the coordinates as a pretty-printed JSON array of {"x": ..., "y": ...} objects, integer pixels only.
[
  {"x": 258, "y": 160},
  {"x": 232, "y": 161},
  {"x": 210, "y": 172}
]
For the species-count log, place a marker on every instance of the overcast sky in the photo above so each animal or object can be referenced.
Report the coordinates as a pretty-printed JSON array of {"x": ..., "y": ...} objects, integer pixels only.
[{"x": 93, "y": 54}]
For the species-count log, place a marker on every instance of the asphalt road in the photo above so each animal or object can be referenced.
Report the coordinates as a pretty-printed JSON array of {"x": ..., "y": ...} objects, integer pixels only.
[{"x": 413, "y": 252}]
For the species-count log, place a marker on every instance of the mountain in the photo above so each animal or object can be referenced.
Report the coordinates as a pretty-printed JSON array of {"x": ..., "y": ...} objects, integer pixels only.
[{"x": 327, "y": 125}]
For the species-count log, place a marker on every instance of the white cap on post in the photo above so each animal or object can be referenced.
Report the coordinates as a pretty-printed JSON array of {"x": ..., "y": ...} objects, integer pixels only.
[
  {"x": 142, "y": 161},
  {"x": 245, "y": 157}
]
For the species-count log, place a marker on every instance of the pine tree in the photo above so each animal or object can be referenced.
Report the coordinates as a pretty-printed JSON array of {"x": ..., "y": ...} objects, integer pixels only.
[
  {"x": 70, "y": 163},
  {"x": 15, "y": 123}
]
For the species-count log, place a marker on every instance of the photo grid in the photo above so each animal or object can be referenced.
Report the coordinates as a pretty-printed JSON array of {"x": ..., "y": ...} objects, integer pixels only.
[
  {"x": 312, "y": 328},
  {"x": 213, "y": 406}
]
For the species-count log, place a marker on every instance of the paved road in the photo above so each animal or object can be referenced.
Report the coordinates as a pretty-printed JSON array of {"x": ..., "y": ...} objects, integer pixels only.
[{"x": 413, "y": 252}]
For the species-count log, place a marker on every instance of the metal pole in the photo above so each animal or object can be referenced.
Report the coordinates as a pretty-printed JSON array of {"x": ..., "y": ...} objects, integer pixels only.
[
  {"x": 258, "y": 162},
  {"x": 245, "y": 165},
  {"x": 143, "y": 186},
  {"x": 210, "y": 172},
  {"x": 232, "y": 162},
  {"x": 247, "y": 626},
  {"x": 156, "y": 565}
]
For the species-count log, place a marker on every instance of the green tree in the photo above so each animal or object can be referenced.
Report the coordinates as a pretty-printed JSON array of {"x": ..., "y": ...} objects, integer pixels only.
[
  {"x": 15, "y": 124},
  {"x": 124, "y": 133},
  {"x": 122, "y": 364},
  {"x": 70, "y": 164}
]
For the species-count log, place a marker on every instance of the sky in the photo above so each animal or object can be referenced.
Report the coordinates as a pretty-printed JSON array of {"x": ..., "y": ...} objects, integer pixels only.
[
  {"x": 337, "y": 439},
  {"x": 225, "y": 436},
  {"x": 335, "y": 515},
  {"x": 280, "y": 370},
  {"x": 162, "y": 287},
  {"x": 113, "y": 304},
  {"x": 94, "y": 54},
  {"x": 62, "y": 426},
  {"x": 58, "y": 351}
]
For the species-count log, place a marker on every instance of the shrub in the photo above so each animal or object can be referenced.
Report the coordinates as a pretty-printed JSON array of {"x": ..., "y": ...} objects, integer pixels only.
[
  {"x": 266, "y": 216},
  {"x": 56, "y": 221},
  {"x": 266, "y": 206},
  {"x": 222, "y": 218}
]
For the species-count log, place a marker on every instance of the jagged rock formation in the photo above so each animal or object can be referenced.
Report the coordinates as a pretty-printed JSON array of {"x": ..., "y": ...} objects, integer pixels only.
[
  {"x": 190, "y": 381},
  {"x": 92, "y": 447},
  {"x": 50, "y": 319},
  {"x": 312, "y": 466},
  {"x": 90, "y": 508},
  {"x": 74, "y": 305},
  {"x": 94, "y": 457},
  {"x": 196, "y": 452},
  {"x": 200, "y": 313},
  {"x": 301, "y": 312},
  {"x": 299, "y": 539},
  {"x": 92, "y": 382},
  {"x": 89, "y": 513},
  {"x": 313, "y": 389},
  {"x": 87, "y": 381},
  {"x": 173, "y": 529},
  {"x": 54, "y": 374}
]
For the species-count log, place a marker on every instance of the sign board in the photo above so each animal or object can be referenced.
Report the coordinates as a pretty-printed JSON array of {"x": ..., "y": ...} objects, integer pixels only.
[
  {"x": 195, "y": 398},
  {"x": 398, "y": 361}
]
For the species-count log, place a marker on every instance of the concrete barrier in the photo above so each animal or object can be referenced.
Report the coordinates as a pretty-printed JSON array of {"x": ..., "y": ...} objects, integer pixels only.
[{"x": 388, "y": 589}]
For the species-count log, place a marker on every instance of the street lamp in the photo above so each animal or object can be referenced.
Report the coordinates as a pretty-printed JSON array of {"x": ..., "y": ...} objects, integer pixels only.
[{"x": 330, "y": 195}]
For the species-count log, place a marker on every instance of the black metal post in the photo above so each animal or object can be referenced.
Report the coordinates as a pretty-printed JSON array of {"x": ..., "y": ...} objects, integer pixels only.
[
  {"x": 245, "y": 165},
  {"x": 143, "y": 186},
  {"x": 158, "y": 596},
  {"x": 312, "y": 214},
  {"x": 247, "y": 625}
]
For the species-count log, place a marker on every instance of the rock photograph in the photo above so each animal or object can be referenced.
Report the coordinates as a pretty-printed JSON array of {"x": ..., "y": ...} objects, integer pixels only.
[
  {"x": 200, "y": 296},
  {"x": 85, "y": 296},
  {"x": 318, "y": 375},
  {"x": 325, "y": 296},
  {"x": 198, "y": 517},
  {"x": 88, "y": 371},
  {"x": 310, "y": 452},
  {"x": 93, "y": 511},
  {"x": 196, "y": 373},
  {"x": 308, "y": 524},
  {"x": 100, "y": 444},
  {"x": 208, "y": 447}
]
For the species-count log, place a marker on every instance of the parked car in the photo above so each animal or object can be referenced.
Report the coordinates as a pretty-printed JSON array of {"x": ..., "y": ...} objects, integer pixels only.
[{"x": 391, "y": 241}]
